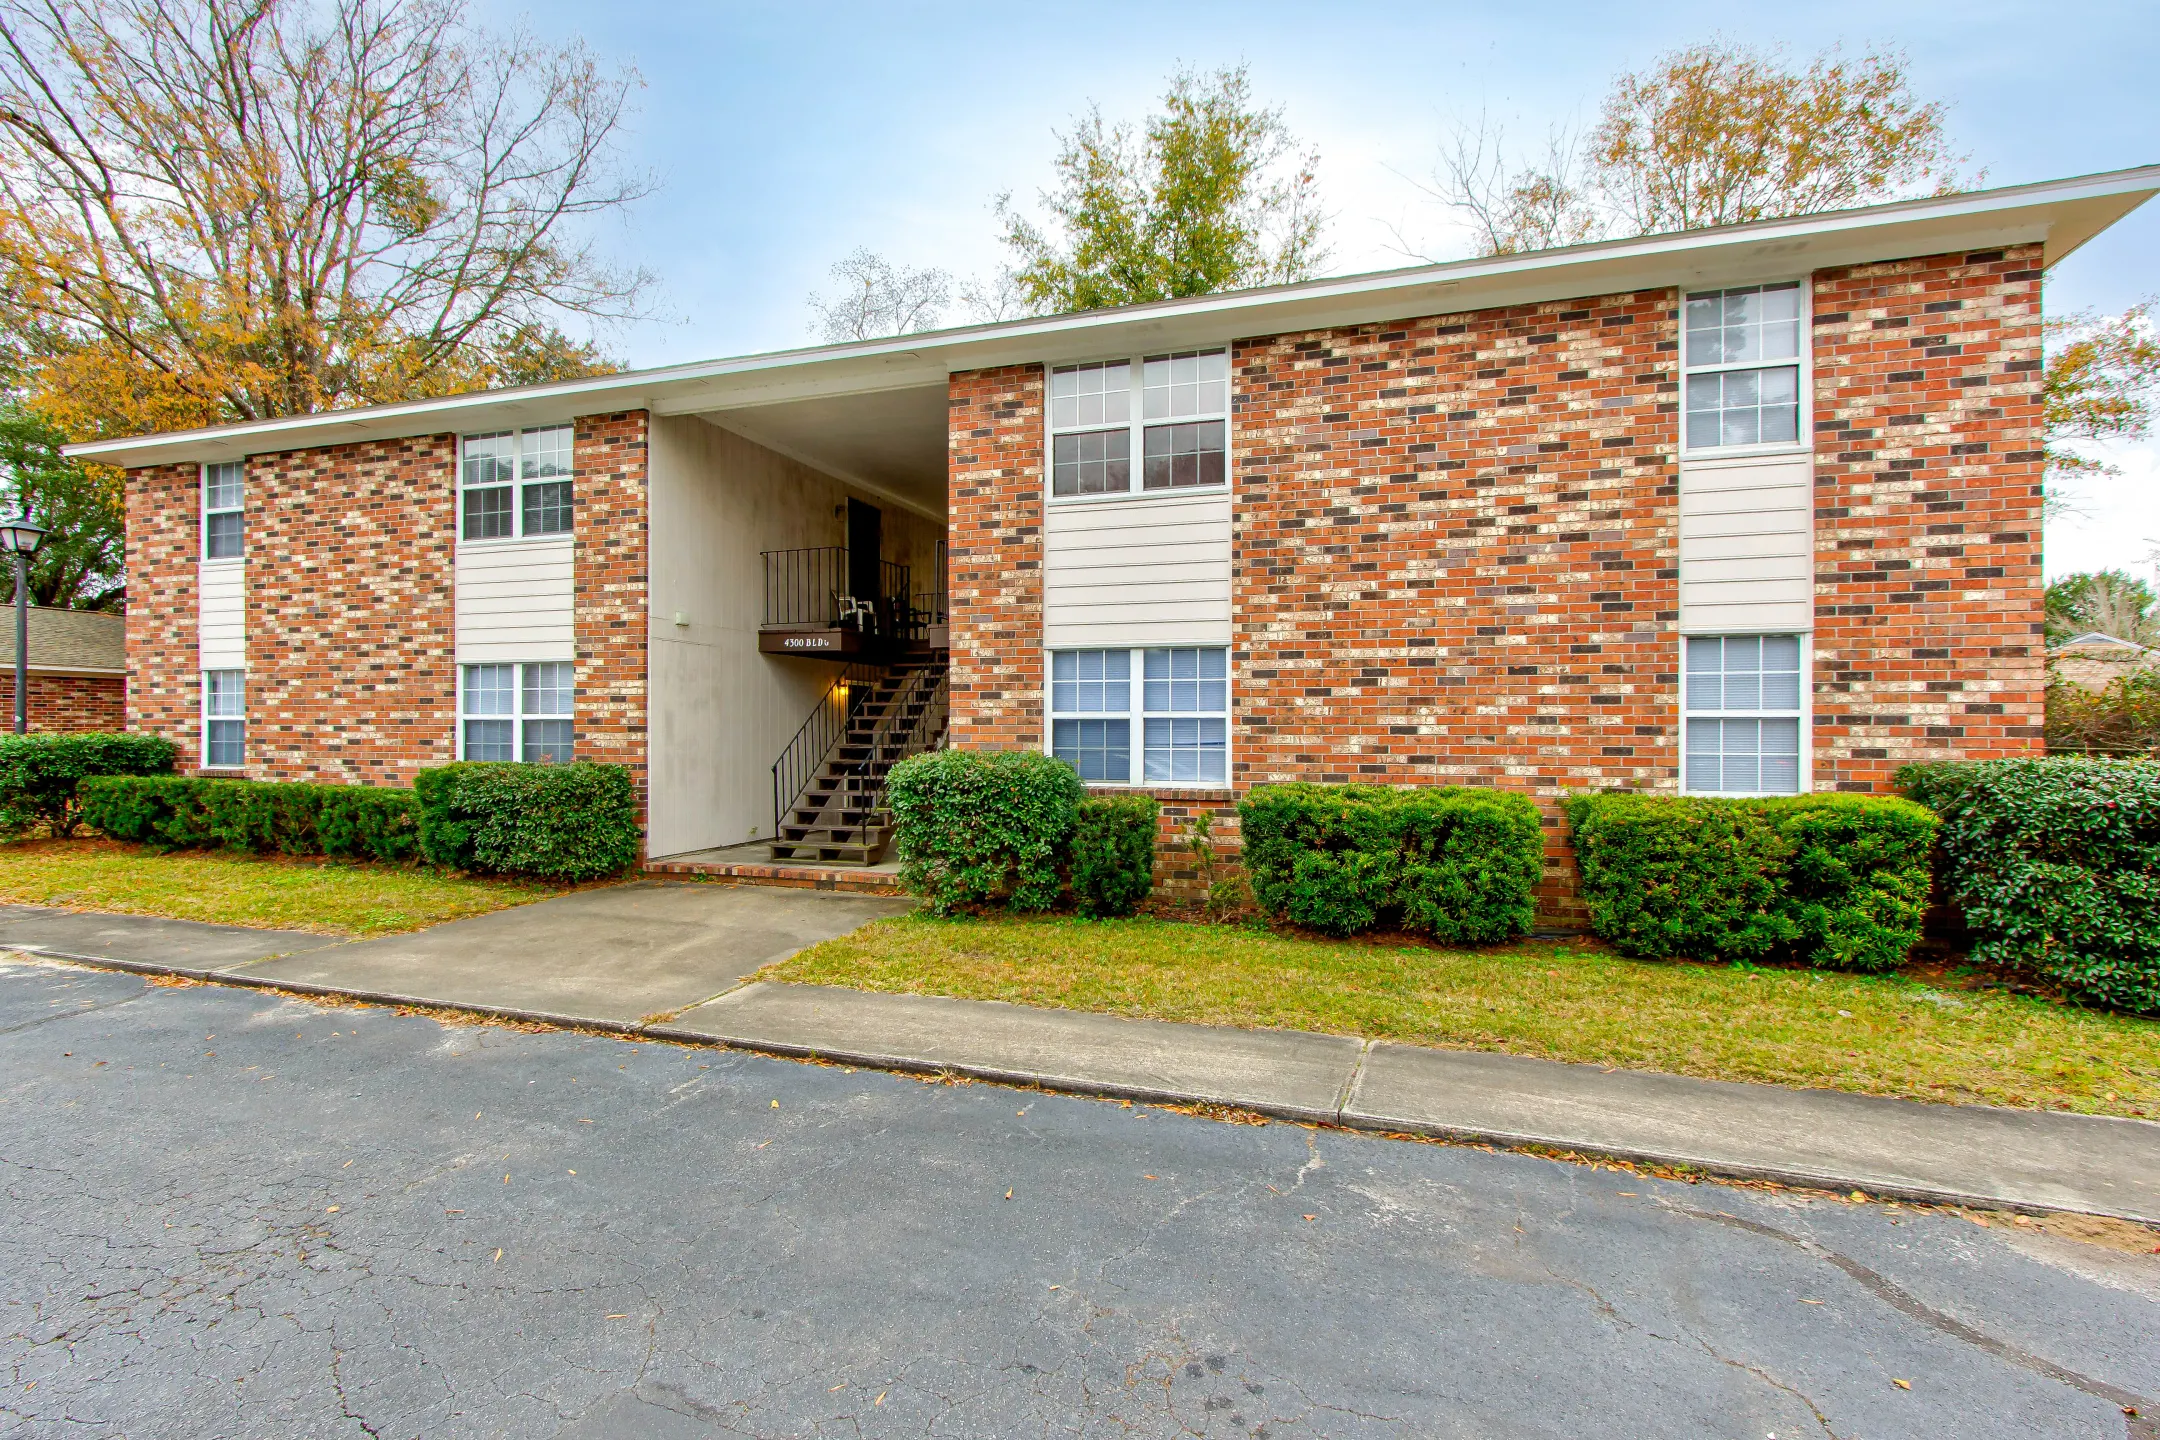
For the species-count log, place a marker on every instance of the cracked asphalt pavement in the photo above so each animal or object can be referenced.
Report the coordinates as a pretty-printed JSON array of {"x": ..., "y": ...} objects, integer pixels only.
[{"x": 232, "y": 1213}]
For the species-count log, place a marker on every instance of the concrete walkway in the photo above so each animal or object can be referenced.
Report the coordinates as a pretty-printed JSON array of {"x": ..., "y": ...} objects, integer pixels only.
[{"x": 670, "y": 961}]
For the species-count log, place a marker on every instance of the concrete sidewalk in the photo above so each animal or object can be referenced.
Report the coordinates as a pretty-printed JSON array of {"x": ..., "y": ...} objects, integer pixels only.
[{"x": 671, "y": 961}]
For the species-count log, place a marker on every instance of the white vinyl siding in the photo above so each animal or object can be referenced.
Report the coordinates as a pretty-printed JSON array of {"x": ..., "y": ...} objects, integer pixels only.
[
  {"x": 1131, "y": 571},
  {"x": 221, "y": 614},
  {"x": 1747, "y": 545},
  {"x": 514, "y": 601}
]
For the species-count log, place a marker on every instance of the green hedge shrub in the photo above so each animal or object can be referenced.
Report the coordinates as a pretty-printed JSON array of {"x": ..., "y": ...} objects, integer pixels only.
[
  {"x": 1113, "y": 853},
  {"x": 1460, "y": 864},
  {"x": 560, "y": 822},
  {"x": 1835, "y": 880},
  {"x": 2053, "y": 862},
  {"x": 181, "y": 812},
  {"x": 977, "y": 828},
  {"x": 39, "y": 773}
]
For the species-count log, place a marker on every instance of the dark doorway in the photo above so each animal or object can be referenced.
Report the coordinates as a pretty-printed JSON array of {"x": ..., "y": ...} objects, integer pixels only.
[{"x": 865, "y": 544}]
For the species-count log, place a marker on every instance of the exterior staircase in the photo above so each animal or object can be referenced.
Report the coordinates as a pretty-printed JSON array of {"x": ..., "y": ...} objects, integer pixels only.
[{"x": 874, "y": 718}]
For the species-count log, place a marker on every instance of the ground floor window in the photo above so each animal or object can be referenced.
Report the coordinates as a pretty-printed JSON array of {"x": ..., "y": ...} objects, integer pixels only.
[
  {"x": 518, "y": 712},
  {"x": 1743, "y": 714},
  {"x": 1178, "y": 712},
  {"x": 224, "y": 719}
]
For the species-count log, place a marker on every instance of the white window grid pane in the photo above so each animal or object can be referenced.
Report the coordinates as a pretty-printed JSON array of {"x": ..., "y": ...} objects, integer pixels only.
[
  {"x": 1742, "y": 326},
  {"x": 225, "y": 694},
  {"x": 489, "y": 459},
  {"x": 1187, "y": 750},
  {"x": 490, "y": 690},
  {"x": 1188, "y": 383},
  {"x": 550, "y": 689},
  {"x": 545, "y": 742},
  {"x": 1090, "y": 395},
  {"x": 1091, "y": 463},
  {"x": 222, "y": 485},
  {"x": 1091, "y": 682},
  {"x": 545, "y": 454},
  {"x": 494, "y": 740},
  {"x": 1743, "y": 407},
  {"x": 1744, "y": 674},
  {"x": 1101, "y": 750}
]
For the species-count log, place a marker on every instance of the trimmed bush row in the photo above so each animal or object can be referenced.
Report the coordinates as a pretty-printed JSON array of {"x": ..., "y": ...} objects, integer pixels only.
[
  {"x": 983, "y": 829},
  {"x": 39, "y": 773},
  {"x": 2052, "y": 862},
  {"x": 1835, "y": 880},
  {"x": 561, "y": 822},
  {"x": 288, "y": 818},
  {"x": 1459, "y": 864}
]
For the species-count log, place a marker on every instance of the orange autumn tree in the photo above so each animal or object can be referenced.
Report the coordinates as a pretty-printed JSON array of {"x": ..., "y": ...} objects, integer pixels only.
[{"x": 236, "y": 209}]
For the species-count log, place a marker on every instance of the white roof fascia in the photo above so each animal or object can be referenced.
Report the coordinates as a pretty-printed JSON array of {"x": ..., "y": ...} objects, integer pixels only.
[{"x": 2063, "y": 214}]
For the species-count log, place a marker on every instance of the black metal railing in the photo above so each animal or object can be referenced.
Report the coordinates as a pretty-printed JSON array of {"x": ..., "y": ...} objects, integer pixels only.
[
  {"x": 899, "y": 735},
  {"x": 805, "y": 756},
  {"x": 812, "y": 588},
  {"x": 929, "y": 607}
]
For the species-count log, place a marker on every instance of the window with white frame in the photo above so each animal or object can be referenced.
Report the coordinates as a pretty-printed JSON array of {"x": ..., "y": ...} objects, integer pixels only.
[
  {"x": 1172, "y": 411},
  {"x": 518, "y": 712},
  {"x": 1742, "y": 698},
  {"x": 224, "y": 719},
  {"x": 1742, "y": 358},
  {"x": 222, "y": 491},
  {"x": 1178, "y": 712},
  {"x": 517, "y": 483}
]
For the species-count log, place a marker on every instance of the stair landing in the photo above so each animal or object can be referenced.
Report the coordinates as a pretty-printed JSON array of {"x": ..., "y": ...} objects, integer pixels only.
[{"x": 752, "y": 864}]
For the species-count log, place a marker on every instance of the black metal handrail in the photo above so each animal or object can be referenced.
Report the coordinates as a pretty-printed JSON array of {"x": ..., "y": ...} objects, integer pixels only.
[
  {"x": 806, "y": 754},
  {"x": 870, "y": 787},
  {"x": 805, "y": 587}
]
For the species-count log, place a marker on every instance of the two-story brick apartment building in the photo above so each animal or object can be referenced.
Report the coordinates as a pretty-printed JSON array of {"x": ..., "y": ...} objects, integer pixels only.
[{"x": 1752, "y": 509}]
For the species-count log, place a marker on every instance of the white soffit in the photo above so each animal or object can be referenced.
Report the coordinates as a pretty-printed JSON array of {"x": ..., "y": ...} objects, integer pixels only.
[{"x": 2061, "y": 214}]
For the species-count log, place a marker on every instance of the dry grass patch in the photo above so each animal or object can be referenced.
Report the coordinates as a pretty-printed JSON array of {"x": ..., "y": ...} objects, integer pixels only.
[
  {"x": 327, "y": 897},
  {"x": 1929, "y": 1039}
]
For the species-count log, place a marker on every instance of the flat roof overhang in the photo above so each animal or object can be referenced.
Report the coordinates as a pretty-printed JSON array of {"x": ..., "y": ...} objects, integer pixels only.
[{"x": 874, "y": 412}]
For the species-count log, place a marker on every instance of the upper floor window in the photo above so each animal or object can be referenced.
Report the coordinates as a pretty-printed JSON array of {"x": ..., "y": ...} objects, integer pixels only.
[
  {"x": 1742, "y": 357},
  {"x": 221, "y": 510},
  {"x": 516, "y": 483},
  {"x": 1172, "y": 411}
]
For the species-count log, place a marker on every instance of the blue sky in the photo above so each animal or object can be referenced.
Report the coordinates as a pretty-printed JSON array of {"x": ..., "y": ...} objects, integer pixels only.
[{"x": 784, "y": 136}]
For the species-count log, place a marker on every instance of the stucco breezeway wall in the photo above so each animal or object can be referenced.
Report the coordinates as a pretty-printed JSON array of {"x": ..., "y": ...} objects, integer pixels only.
[{"x": 721, "y": 712}]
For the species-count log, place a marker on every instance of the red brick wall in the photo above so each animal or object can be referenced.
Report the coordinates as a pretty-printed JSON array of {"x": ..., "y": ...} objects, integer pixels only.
[
  {"x": 66, "y": 702},
  {"x": 1927, "y": 520},
  {"x": 995, "y": 498},
  {"x": 163, "y": 545},
  {"x": 351, "y": 637},
  {"x": 609, "y": 582},
  {"x": 1454, "y": 550}
]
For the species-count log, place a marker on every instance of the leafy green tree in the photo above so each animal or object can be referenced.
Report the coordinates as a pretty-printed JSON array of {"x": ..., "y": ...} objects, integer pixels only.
[
  {"x": 2113, "y": 602},
  {"x": 2098, "y": 384},
  {"x": 1714, "y": 134},
  {"x": 1213, "y": 194},
  {"x": 81, "y": 507}
]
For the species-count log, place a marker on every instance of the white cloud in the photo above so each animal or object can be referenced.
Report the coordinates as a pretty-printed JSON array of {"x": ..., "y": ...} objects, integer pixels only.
[{"x": 2117, "y": 522}]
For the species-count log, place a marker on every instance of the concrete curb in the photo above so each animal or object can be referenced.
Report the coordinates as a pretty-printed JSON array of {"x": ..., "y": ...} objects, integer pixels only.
[{"x": 1344, "y": 1114}]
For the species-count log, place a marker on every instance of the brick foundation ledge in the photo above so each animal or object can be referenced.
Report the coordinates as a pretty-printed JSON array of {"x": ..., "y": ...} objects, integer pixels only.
[{"x": 846, "y": 879}]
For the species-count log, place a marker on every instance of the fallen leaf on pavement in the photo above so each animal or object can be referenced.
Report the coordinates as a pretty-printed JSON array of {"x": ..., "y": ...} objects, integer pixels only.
[
  {"x": 1008, "y": 1194},
  {"x": 1902, "y": 1384},
  {"x": 1312, "y": 1217},
  {"x": 498, "y": 1254}
]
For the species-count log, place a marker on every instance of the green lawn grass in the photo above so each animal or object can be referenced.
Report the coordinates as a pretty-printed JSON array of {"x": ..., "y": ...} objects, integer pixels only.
[
  {"x": 329, "y": 897},
  {"x": 1925, "y": 1038}
]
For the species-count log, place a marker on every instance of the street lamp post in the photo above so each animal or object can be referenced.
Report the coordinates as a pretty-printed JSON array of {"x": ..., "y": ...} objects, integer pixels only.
[{"x": 21, "y": 539}]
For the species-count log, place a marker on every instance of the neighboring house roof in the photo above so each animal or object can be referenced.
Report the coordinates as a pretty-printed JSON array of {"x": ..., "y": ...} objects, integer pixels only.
[
  {"x": 2098, "y": 640},
  {"x": 91, "y": 642},
  {"x": 875, "y": 412}
]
